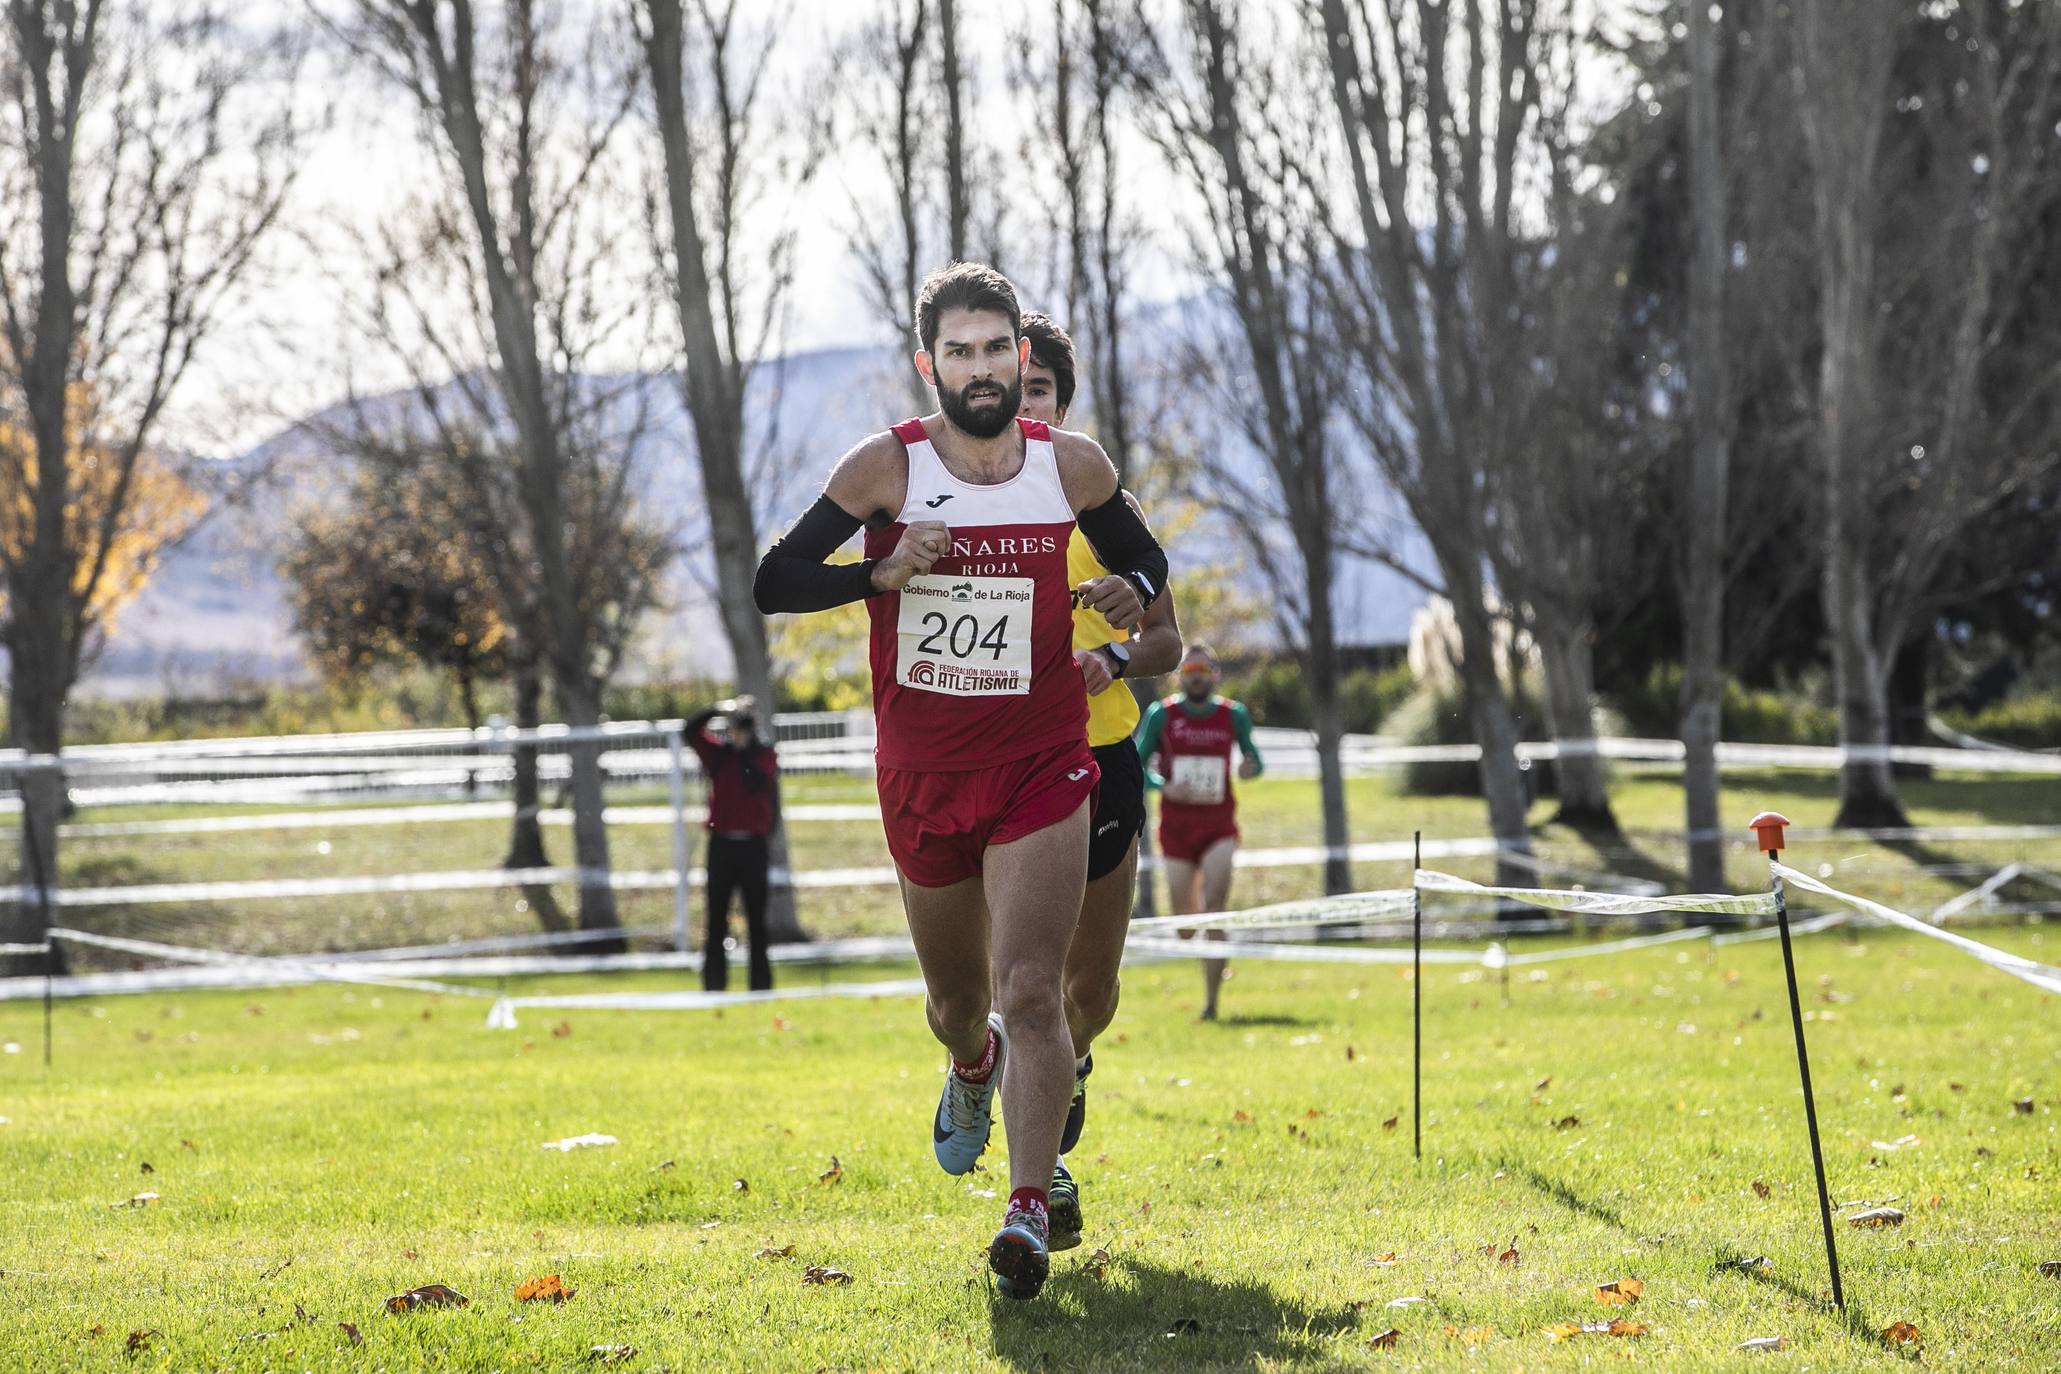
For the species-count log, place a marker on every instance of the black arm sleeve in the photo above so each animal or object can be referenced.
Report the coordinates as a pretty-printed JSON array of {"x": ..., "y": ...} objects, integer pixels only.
[
  {"x": 793, "y": 576},
  {"x": 698, "y": 722},
  {"x": 1125, "y": 546}
]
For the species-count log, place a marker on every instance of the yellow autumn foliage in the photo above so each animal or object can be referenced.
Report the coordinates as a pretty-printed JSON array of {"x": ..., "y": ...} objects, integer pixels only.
[{"x": 114, "y": 560}]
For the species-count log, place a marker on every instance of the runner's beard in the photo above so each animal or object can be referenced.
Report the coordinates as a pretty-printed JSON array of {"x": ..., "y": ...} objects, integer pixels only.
[
  {"x": 1198, "y": 694},
  {"x": 986, "y": 420}
]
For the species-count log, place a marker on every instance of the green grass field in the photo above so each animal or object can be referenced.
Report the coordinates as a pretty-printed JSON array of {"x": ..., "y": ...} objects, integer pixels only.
[{"x": 1250, "y": 1206}]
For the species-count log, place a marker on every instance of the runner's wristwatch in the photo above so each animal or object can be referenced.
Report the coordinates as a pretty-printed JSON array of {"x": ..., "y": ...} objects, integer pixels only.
[{"x": 1119, "y": 658}]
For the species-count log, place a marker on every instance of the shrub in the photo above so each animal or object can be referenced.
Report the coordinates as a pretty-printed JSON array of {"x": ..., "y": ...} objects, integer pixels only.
[{"x": 2032, "y": 721}]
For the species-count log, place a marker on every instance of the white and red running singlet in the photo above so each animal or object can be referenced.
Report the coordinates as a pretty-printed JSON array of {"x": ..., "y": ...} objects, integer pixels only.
[{"x": 973, "y": 660}]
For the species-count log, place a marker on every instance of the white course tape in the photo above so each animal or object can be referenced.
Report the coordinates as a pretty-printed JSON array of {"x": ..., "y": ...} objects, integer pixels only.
[
  {"x": 312, "y": 968},
  {"x": 1668, "y": 937},
  {"x": 1604, "y": 903},
  {"x": 2045, "y": 976},
  {"x": 501, "y": 1016},
  {"x": 43, "y": 948},
  {"x": 1350, "y": 909}
]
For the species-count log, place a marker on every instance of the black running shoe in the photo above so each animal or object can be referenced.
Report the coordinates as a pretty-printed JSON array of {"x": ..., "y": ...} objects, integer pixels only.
[
  {"x": 1019, "y": 1254},
  {"x": 1077, "y": 1110},
  {"x": 1065, "y": 1216}
]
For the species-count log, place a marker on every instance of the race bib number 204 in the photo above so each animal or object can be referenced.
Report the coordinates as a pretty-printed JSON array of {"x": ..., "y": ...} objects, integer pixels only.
[{"x": 965, "y": 636}]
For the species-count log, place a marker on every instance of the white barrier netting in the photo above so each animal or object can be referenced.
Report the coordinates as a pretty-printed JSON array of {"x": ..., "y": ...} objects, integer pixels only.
[{"x": 2045, "y": 976}]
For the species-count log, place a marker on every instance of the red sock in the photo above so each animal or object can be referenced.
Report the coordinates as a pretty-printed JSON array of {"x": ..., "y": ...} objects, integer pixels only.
[
  {"x": 983, "y": 1068},
  {"x": 1030, "y": 1200}
]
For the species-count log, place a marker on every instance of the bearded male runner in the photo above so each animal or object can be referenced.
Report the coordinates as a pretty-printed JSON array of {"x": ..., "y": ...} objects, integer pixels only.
[
  {"x": 983, "y": 766},
  {"x": 1107, "y": 656}
]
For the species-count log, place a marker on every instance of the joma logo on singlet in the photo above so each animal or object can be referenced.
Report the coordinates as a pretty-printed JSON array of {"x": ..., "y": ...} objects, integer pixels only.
[{"x": 999, "y": 548}]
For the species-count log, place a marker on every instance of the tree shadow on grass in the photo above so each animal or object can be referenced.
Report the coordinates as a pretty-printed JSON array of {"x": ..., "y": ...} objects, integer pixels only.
[
  {"x": 1560, "y": 1191},
  {"x": 1727, "y": 1263},
  {"x": 1857, "y": 1322},
  {"x": 1137, "y": 1315},
  {"x": 1249, "y": 1020}
]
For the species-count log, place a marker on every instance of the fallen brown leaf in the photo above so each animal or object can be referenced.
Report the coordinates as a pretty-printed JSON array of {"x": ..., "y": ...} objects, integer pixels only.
[
  {"x": 140, "y": 1340},
  {"x": 550, "y": 1288},
  {"x": 1241, "y": 1117},
  {"x": 1384, "y": 1258},
  {"x": 1761, "y": 1189},
  {"x": 1390, "y": 1124},
  {"x": 1099, "y": 1262},
  {"x": 2051, "y": 1268},
  {"x": 739, "y": 1185},
  {"x": 1562, "y": 1331},
  {"x": 2023, "y": 1106},
  {"x": 429, "y": 1295},
  {"x": 410, "y": 1254},
  {"x": 97, "y": 1330},
  {"x": 1312, "y": 1114},
  {"x": 351, "y": 1332},
  {"x": 148, "y": 1168},
  {"x": 1543, "y": 1084},
  {"x": 561, "y": 1030},
  {"x": 1877, "y": 1216},
  {"x": 611, "y": 1354},
  {"x": 1902, "y": 1333},
  {"x": 825, "y": 1275},
  {"x": 1509, "y": 1256},
  {"x": 1619, "y": 1292},
  {"x": 833, "y": 1174},
  {"x": 780, "y": 1024},
  {"x": 1472, "y": 1335},
  {"x": 1567, "y": 1123},
  {"x": 1386, "y": 1340},
  {"x": 1349, "y": 1054},
  {"x": 1184, "y": 1326},
  {"x": 775, "y": 1252}
]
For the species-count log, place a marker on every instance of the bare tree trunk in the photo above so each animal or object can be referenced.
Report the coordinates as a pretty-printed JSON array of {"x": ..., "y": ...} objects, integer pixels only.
[
  {"x": 1569, "y": 660},
  {"x": 526, "y": 835},
  {"x": 1495, "y": 730},
  {"x": 1327, "y": 716},
  {"x": 716, "y": 378},
  {"x": 1846, "y": 49},
  {"x": 1704, "y": 511},
  {"x": 582, "y": 706},
  {"x": 958, "y": 207},
  {"x": 36, "y": 725}
]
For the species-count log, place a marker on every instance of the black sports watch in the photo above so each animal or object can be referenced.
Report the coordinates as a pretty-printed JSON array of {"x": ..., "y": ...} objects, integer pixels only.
[{"x": 1119, "y": 657}]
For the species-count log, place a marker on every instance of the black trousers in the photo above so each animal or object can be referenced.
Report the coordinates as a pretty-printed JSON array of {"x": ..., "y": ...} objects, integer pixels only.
[{"x": 736, "y": 867}]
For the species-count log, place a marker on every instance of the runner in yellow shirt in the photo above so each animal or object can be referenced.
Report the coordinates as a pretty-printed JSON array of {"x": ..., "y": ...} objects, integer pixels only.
[{"x": 1106, "y": 656}]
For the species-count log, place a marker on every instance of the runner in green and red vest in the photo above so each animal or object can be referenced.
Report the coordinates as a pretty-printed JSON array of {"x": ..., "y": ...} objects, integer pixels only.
[{"x": 1186, "y": 742}]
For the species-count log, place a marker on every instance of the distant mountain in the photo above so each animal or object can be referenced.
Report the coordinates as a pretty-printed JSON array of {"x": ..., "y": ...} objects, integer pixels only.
[{"x": 216, "y": 617}]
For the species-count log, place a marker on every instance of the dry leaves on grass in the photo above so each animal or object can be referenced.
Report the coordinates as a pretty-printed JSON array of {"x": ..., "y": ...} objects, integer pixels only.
[
  {"x": 1877, "y": 1216},
  {"x": 740, "y": 1185},
  {"x": 1902, "y": 1334},
  {"x": 1470, "y": 1335},
  {"x": 140, "y": 1200},
  {"x": 825, "y": 1276},
  {"x": 1764, "y": 1343},
  {"x": 1382, "y": 1260},
  {"x": 1507, "y": 1256},
  {"x": 1241, "y": 1118},
  {"x": 776, "y": 1252},
  {"x": 1184, "y": 1326},
  {"x": 2023, "y": 1106},
  {"x": 140, "y": 1340},
  {"x": 611, "y": 1354},
  {"x": 1390, "y": 1124},
  {"x": 1567, "y": 1123},
  {"x": 1761, "y": 1190},
  {"x": 1386, "y": 1340},
  {"x": 1098, "y": 1263},
  {"x": 550, "y": 1288},
  {"x": 1567, "y": 1331},
  {"x": 429, "y": 1295},
  {"x": 1747, "y": 1264},
  {"x": 1619, "y": 1292},
  {"x": 561, "y": 1030},
  {"x": 833, "y": 1174},
  {"x": 351, "y": 1332},
  {"x": 2051, "y": 1268}
]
